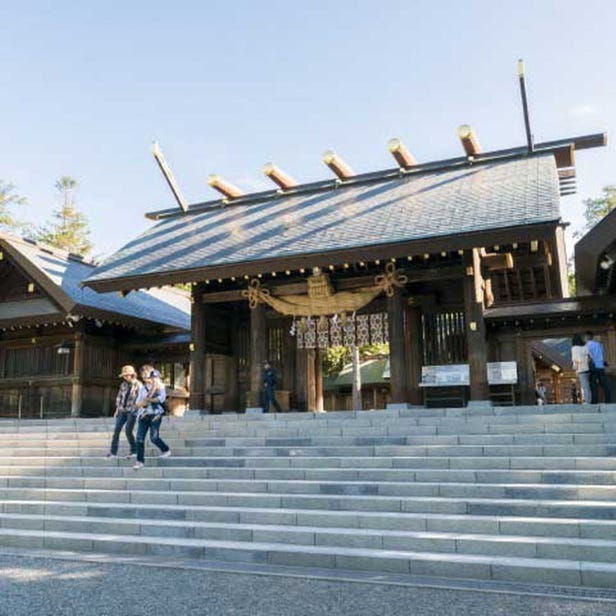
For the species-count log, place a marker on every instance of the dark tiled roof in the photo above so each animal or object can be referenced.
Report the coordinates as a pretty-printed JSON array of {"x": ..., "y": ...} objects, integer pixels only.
[
  {"x": 165, "y": 306},
  {"x": 468, "y": 199}
]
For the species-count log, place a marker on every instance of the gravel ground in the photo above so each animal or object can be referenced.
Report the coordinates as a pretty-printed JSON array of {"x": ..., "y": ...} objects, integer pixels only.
[{"x": 45, "y": 586}]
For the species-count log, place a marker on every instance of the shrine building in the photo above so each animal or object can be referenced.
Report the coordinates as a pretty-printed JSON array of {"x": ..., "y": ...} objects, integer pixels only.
[
  {"x": 62, "y": 345},
  {"x": 459, "y": 264}
]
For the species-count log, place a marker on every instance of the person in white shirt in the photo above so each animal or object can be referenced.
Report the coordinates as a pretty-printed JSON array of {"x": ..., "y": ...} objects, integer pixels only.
[
  {"x": 150, "y": 413},
  {"x": 579, "y": 358}
]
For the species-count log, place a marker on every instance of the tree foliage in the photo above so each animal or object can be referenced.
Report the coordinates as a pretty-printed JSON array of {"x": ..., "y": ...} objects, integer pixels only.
[
  {"x": 69, "y": 227},
  {"x": 337, "y": 357},
  {"x": 8, "y": 198},
  {"x": 595, "y": 209}
]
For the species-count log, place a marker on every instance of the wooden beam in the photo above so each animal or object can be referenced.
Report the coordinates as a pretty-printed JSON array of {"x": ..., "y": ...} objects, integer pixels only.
[
  {"x": 401, "y": 154},
  {"x": 397, "y": 357},
  {"x": 197, "y": 350},
  {"x": 469, "y": 140},
  {"x": 78, "y": 376},
  {"x": 447, "y": 272},
  {"x": 497, "y": 260},
  {"x": 565, "y": 156},
  {"x": 166, "y": 171},
  {"x": 475, "y": 328},
  {"x": 258, "y": 352},
  {"x": 337, "y": 165},
  {"x": 278, "y": 176},
  {"x": 223, "y": 187}
]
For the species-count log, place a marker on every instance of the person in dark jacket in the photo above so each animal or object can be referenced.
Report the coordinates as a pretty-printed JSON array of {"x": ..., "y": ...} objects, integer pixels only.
[{"x": 270, "y": 380}]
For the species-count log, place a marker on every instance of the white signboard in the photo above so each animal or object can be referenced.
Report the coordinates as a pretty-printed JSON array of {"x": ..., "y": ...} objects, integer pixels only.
[
  {"x": 499, "y": 373},
  {"x": 442, "y": 376},
  {"x": 502, "y": 372}
]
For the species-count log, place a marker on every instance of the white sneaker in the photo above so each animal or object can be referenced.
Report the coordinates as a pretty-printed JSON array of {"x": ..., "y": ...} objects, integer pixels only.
[
  {"x": 131, "y": 455},
  {"x": 137, "y": 466},
  {"x": 110, "y": 456},
  {"x": 165, "y": 454}
]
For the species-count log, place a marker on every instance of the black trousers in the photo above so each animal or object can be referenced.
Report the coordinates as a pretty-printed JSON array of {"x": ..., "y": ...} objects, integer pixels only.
[{"x": 269, "y": 397}]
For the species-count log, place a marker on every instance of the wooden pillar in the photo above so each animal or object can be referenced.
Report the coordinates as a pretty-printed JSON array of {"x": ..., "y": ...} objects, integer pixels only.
[
  {"x": 78, "y": 368},
  {"x": 301, "y": 372},
  {"x": 414, "y": 352},
  {"x": 318, "y": 381},
  {"x": 258, "y": 353},
  {"x": 397, "y": 358},
  {"x": 198, "y": 349},
  {"x": 311, "y": 387},
  {"x": 475, "y": 327},
  {"x": 525, "y": 371},
  {"x": 356, "y": 380},
  {"x": 560, "y": 279}
]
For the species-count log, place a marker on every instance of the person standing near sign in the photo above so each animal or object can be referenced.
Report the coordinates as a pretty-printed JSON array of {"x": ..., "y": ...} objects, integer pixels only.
[
  {"x": 579, "y": 358},
  {"x": 597, "y": 365}
]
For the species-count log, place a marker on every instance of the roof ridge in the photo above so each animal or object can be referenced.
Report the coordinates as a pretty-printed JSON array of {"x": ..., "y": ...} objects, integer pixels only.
[
  {"x": 72, "y": 256},
  {"x": 494, "y": 156}
]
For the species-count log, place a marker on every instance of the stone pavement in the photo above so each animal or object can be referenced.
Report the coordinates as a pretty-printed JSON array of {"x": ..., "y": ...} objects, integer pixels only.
[{"x": 45, "y": 586}]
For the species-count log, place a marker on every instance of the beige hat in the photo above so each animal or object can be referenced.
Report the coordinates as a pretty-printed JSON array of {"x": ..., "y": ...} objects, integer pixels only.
[{"x": 127, "y": 371}]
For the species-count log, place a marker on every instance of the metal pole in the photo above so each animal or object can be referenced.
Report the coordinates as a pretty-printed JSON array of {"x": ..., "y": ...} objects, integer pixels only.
[
  {"x": 529, "y": 136},
  {"x": 41, "y": 402},
  {"x": 19, "y": 399}
]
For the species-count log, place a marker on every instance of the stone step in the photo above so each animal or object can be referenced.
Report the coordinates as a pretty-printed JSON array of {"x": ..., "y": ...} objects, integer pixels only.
[
  {"x": 278, "y": 486},
  {"x": 598, "y": 550},
  {"x": 355, "y": 462},
  {"x": 533, "y": 413},
  {"x": 355, "y": 451},
  {"x": 537, "y": 570},
  {"x": 585, "y": 438},
  {"x": 507, "y": 476},
  {"x": 508, "y": 506},
  {"x": 358, "y": 520}
]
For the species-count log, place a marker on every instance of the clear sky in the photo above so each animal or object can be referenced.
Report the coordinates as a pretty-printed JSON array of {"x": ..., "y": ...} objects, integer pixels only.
[{"x": 227, "y": 86}]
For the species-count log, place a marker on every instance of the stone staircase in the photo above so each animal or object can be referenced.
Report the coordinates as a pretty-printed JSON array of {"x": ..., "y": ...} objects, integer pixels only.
[{"x": 525, "y": 494}]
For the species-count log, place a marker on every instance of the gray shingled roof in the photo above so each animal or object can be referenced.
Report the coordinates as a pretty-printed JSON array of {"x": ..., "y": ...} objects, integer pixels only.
[
  {"x": 165, "y": 306},
  {"x": 492, "y": 195}
]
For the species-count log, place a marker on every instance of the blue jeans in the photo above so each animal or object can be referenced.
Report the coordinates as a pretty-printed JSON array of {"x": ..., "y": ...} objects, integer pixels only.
[
  {"x": 598, "y": 377},
  {"x": 122, "y": 419},
  {"x": 151, "y": 423},
  {"x": 269, "y": 397}
]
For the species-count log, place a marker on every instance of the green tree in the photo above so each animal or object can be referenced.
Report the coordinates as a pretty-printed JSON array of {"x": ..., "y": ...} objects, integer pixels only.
[
  {"x": 8, "y": 198},
  {"x": 595, "y": 209},
  {"x": 69, "y": 228},
  {"x": 337, "y": 357}
]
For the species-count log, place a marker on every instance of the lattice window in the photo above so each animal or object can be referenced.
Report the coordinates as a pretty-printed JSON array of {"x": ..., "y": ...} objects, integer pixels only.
[{"x": 444, "y": 337}]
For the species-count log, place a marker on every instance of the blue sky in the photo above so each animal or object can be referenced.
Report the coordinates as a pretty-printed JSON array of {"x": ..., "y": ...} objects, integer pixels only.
[{"x": 227, "y": 86}]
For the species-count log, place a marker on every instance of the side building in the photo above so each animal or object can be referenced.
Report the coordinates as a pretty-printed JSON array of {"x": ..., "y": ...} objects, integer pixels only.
[{"x": 62, "y": 345}]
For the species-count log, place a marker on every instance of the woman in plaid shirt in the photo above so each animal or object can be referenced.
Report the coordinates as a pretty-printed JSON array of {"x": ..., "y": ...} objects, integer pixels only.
[{"x": 126, "y": 412}]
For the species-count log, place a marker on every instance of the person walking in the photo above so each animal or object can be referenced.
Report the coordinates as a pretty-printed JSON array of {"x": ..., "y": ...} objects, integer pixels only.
[
  {"x": 125, "y": 412},
  {"x": 270, "y": 380},
  {"x": 597, "y": 366},
  {"x": 540, "y": 393},
  {"x": 579, "y": 359},
  {"x": 149, "y": 414}
]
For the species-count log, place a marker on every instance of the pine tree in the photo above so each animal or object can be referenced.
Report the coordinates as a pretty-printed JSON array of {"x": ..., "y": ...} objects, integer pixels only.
[
  {"x": 69, "y": 229},
  {"x": 8, "y": 222}
]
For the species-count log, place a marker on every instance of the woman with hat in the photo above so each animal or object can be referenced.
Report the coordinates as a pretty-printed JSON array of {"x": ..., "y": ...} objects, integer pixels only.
[
  {"x": 125, "y": 411},
  {"x": 150, "y": 412}
]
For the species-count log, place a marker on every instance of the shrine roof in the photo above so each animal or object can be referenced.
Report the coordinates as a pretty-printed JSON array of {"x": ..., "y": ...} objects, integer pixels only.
[
  {"x": 444, "y": 208},
  {"x": 60, "y": 274}
]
